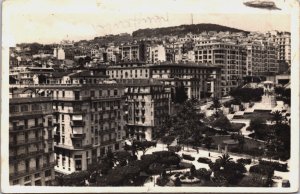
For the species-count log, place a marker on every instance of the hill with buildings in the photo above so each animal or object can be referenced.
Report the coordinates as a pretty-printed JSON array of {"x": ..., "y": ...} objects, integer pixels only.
[{"x": 183, "y": 29}]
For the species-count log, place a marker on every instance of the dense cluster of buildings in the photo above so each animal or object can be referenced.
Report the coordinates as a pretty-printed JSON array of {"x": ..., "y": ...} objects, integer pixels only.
[{"x": 69, "y": 108}]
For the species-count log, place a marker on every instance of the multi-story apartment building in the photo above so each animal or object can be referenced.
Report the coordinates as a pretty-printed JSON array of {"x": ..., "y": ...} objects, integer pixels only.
[
  {"x": 200, "y": 80},
  {"x": 148, "y": 103},
  {"x": 261, "y": 58},
  {"x": 283, "y": 42},
  {"x": 134, "y": 70},
  {"x": 31, "y": 152},
  {"x": 133, "y": 52},
  {"x": 89, "y": 119},
  {"x": 156, "y": 54},
  {"x": 112, "y": 53},
  {"x": 227, "y": 54}
]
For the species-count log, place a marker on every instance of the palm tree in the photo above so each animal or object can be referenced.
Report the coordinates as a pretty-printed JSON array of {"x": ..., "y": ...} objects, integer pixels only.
[
  {"x": 224, "y": 159},
  {"x": 277, "y": 117}
]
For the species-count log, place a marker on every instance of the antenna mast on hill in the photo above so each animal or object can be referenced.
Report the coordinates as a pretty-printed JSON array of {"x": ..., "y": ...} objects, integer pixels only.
[{"x": 192, "y": 18}]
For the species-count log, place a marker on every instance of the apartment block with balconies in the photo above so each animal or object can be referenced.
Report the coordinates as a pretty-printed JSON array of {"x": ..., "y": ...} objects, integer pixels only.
[
  {"x": 227, "y": 54},
  {"x": 148, "y": 102},
  {"x": 31, "y": 152},
  {"x": 199, "y": 80},
  {"x": 88, "y": 119}
]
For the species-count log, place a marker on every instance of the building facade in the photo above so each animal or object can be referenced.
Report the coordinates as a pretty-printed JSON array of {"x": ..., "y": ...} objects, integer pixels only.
[
  {"x": 200, "y": 80},
  {"x": 133, "y": 52},
  {"x": 229, "y": 55},
  {"x": 135, "y": 70},
  {"x": 148, "y": 102},
  {"x": 31, "y": 149}
]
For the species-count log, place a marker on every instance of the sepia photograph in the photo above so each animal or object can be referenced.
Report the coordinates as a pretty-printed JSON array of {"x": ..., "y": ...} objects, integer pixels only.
[{"x": 150, "y": 96}]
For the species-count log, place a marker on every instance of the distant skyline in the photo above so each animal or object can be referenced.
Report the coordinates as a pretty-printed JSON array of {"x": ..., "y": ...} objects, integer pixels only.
[{"x": 51, "y": 21}]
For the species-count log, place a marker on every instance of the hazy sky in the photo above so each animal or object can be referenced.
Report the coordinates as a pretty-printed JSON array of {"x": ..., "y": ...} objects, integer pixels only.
[{"x": 49, "y": 21}]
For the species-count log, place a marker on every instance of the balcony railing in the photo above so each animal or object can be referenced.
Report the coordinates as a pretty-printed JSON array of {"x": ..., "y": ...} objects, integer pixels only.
[
  {"x": 108, "y": 142},
  {"x": 77, "y": 136},
  {"x": 25, "y": 155},
  {"x": 32, "y": 112},
  {"x": 26, "y": 141},
  {"x": 77, "y": 123}
]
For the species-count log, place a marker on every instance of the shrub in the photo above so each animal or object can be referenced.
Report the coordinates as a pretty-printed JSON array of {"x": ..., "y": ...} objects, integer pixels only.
[
  {"x": 193, "y": 170},
  {"x": 188, "y": 157},
  {"x": 276, "y": 165},
  {"x": 162, "y": 181},
  {"x": 174, "y": 148},
  {"x": 163, "y": 154},
  {"x": 191, "y": 177},
  {"x": 204, "y": 160},
  {"x": 177, "y": 182},
  {"x": 150, "y": 157},
  {"x": 244, "y": 161},
  {"x": 262, "y": 169},
  {"x": 170, "y": 160},
  {"x": 203, "y": 173}
]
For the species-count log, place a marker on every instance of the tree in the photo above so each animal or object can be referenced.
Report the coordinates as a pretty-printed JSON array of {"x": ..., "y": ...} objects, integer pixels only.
[
  {"x": 224, "y": 159},
  {"x": 193, "y": 170},
  {"x": 277, "y": 117},
  {"x": 177, "y": 182},
  {"x": 222, "y": 122},
  {"x": 167, "y": 140},
  {"x": 216, "y": 104},
  {"x": 207, "y": 141},
  {"x": 42, "y": 79},
  {"x": 180, "y": 94}
]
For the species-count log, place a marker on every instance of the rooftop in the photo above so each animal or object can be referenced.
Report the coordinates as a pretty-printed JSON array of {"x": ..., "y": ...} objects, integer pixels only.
[
  {"x": 140, "y": 82},
  {"x": 187, "y": 64}
]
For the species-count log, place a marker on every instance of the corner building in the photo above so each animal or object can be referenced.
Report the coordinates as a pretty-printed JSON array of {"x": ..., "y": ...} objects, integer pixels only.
[{"x": 89, "y": 121}]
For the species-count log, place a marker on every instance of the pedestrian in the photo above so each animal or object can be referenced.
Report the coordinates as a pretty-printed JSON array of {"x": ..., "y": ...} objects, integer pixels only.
[
  {"x": 208, "y": 154},
  {"x": 197, "y": 150}
]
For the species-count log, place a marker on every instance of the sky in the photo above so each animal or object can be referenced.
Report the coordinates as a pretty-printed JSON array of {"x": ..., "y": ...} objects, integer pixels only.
[{"x": 50, "y": 21}]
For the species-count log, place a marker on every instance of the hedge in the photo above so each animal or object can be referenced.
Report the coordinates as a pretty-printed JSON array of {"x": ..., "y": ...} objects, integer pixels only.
[
  {"x": 204, "y": 160},
  {"x": 262, "y": 169},
  {"x": 188, "y": 157},
  {"x": 244, "y": 161},
  {"x": 276, "y": 165}
]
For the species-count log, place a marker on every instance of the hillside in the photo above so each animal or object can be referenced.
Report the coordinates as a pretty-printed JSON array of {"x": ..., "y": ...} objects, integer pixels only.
[{"x": 183, "y": 29}]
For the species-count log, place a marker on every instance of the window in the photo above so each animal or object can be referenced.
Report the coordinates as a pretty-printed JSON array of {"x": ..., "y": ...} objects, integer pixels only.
[
  {"x": 115, "y": 92},
  {"x": 78, "y": 164},
  {"x": 63, "y": 94},
  {"x": 63, "y": 139},
  {"x": 62, "y": 106},
  {"x": 24, "y": 108},
  {"x": 63, "y": 129},
  {"x": 62, "y": 117},
  {"x": 92, "y": 93}
]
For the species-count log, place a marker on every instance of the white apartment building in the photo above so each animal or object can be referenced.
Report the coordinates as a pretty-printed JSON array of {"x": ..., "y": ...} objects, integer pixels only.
[
  {"x": 229, "y": 55},
  {"x": 156, "y": 53}
]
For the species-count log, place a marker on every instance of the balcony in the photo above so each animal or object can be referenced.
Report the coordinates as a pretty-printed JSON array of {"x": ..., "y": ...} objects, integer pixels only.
[
  {"x": 26, "y": 155},
  {"x": 77, "y": 136},
  {"x": 25, "y": 141},
  {"x": 77, "y": 123},
  {"x": 30, "y": 113},
  {"x": 108, "y": 142}
]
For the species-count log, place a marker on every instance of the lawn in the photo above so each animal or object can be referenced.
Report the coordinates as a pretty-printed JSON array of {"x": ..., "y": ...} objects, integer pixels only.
[
  {"x": 249, "y": 143},
  {"x": 265, "y": 115},
  {"x": 235, "y": 127}
]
